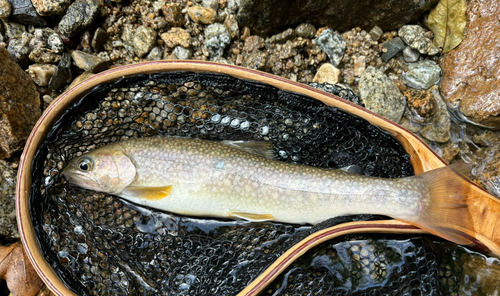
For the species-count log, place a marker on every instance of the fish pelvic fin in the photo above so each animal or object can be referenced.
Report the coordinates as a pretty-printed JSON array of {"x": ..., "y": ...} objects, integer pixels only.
[
  {"x": 251, "y": 217},
  {"x": 149, "y": 193},
  {"x": 446, "y": 212}
]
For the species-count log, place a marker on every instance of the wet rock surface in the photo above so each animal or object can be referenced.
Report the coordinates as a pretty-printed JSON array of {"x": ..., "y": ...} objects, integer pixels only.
[
  {"x": 472, "y": 76},
  {"x": 19, "y": 105},
  {"x": 423, "y": 74},
  {"x": 379, "y": 94},
  {"x": 263, "y": 18}
]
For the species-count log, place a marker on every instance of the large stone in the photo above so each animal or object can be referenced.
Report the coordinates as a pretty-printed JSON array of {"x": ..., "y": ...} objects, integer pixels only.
[
  {"x": 265, "y": 18},
  {"x": 8, "y": 224},
  {"x": 471, "y": 79},
  {"x": 22, "y": 11},
  {"x": 381, "y": 95},
  {"x": 19, "y": 105},
  {"x": 79, "y": 15}
]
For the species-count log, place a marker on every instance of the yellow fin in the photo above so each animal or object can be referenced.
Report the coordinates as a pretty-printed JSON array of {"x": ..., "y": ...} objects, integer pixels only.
[
  {"x": 251, "y": 216},
  {"x": 447, "y": 212},
  {"x": 149, "y": 193}
]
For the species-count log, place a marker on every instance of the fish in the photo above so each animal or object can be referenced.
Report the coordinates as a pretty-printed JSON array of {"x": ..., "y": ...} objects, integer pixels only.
[{"x": 227, "y": 180}]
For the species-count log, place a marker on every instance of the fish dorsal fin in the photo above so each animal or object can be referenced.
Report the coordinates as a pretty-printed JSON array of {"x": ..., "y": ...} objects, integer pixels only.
[
  {"x": 149, "y": 193},
  {"x": 251, "y": 217},
  {"x": 353, "y": 169},
  {"x": 260, "y": 148}
]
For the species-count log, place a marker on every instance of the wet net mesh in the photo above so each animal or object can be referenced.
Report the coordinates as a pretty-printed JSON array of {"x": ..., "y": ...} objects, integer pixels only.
[{"x": 99, "y": 244}]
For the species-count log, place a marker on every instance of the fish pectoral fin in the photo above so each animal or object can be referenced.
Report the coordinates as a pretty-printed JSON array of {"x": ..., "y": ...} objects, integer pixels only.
[
  {"x": 260, "y": 148},
  {"x": 149, "y": 193},
  {"x": 251, "y": 217}
]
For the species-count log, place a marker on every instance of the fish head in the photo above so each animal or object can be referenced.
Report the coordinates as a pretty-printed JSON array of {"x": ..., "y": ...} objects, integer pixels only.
[{"x": 103, "y": 170}]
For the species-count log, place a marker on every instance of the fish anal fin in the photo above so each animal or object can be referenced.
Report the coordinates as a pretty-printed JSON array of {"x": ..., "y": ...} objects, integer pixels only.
[
  {"x": 149, "y": 193},
  {"x": 251, "y": 216},
  {"x": 447, "y": 213}
]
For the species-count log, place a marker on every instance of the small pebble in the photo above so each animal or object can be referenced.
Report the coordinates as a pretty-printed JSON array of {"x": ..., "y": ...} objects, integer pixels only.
[
  {"x": 176, "y": 36},
  {"x": 155, "y": 54},
  {"x": 283, "y": 36},
  {"x": 393, "y": 47},
  {"x": 88, "y": 62},
  {"x": 183, "y": 53},
  {"x": 216, "y": 39},
  {"x": 19, "y": 48},
  {"x": 253, "y": 42},
  {"x": 24, "y": 12},
  {"x": 415, "y": 37},
  {"x": 422, "y": 74},
  {"x": 51, "y": 7},
  {"x": 410, "y": 54},
  {"x": 305, "y": 30},
  {"x": 376, "y": 32},
  {"x": 255, "y": 60},
  {"x": 439, "y": 128},
  {"x": 173, "y": 15},
  {"x": 4, "y": 9},
  {"x": 232, "y": 26},
  {"x": 359, "y": 65},
  {"x": 62, "y": 74},
  {"x": 202, "y": 15},
  {"x": 44, "y": 55},
  {"x": 100, "y": 37},
  {"x": 333, "y": 44},
  {"x": 79, "y": 15},
  {"x": 327, "y": 73},
  {"x": 41, "y": 73},
  {"x": 143, "y": 40},
  {"x": 213, "y": 4}
]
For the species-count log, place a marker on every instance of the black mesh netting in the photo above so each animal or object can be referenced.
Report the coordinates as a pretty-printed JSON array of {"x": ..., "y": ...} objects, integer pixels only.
[{"x": 101, "y": 245}]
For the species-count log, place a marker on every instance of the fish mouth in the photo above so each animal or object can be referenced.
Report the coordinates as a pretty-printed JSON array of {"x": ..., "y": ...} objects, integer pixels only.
[{"x": 80, "y": 178}]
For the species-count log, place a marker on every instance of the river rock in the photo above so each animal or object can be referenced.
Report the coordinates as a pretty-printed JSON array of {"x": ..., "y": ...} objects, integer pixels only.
[
  {"x": 14, "y": 30},
  {"x": 88, "y": 62},
  {"x": 333, "y": 45},
  {"x": 41, "y": 73},
  {"x": 376, "y": 32},
  {"x": 381, "y": 95},
  {"x": 305, "y": 30},
  {"x": 19, "y": 48},
  {"x": 44, "y": 55},
  {"x": 410, "y": 54},
  {"x": 51, "y": 7},
  {"x": 155, "y": 54},
  {"x": 327, "y": 73},
  {"x": 414, "y": 36},
  {"x": 253, "y": 43},
  {"x": 202, "y": 15},
  {"x": 282, "y": 37},
  {"x": 176, "y": 36},
  {"x": 22, "y": 11},
  {"x": 143, "y": 40},
  {"x": 422, "y": 75},
  {"x": 4, "y": 10},
  {"x": 232, "y": 26},
  {"x": 19, "y": 105},
  {"x": 439, "y": 128},
  {"x": 214, "y": 4},
  {"x": 8, "y": 224},
  {"x": 79, "y": 15},
  {"x": 255, "y": 60},
  {"x": 421, "y": 104},
  {"x": 183, "y": 53},
  {"x": 472, "y": 75},
  {"x": 62, "y": 74},
  {"x": 392, "y": 48},
  {"x": 100, "y": 37},
  {"x": 217, "y": 38},
  {"x": 265, "y": 18}
]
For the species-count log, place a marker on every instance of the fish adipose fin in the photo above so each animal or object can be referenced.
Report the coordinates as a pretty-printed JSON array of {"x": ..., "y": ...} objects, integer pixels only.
[
  {"x": 260, "y": 148},
  {"x": 447, "y": 212},
  {"x": 251, "y": 217},
  {"x": 149, "y": 193}
]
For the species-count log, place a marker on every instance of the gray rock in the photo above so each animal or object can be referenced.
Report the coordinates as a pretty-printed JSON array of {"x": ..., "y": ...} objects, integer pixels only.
[
  {"x": 255, "y": 60},
  {"x": 143, "y": 40},
  {"x": 79, "y": 15},
  {"x": 265, "y": 18},
  {"x": 155, "y": 54},
  {"x": 40, "y": 38},
  {"x": 88, "y": 62},
  {"x": 41, "y": 73},
  {"x": 19, "y": 105},
  {"x": 376, "y": 32},
  {"x": 14, "y": 30},
  {"x": 379, "y": 94},
  {"x": 100, "y": 37},
  {"x": 393, "y": 47},
  {"x": 305, "y": 30},
  {"x": 19, "y": 48},
  {"x": 333, "y": 44},
  {"x": 414, "y": 36},
  {"x": 283, "y": 36},
  {"x": 217, "y": 38},
  {"x": 214, "y": 4},
  {"x": 422, "y": 75},
  {"x": 55, "y": 43},
  {"x": 439, "y": 128},
  {"x": 4, "y": 9},
  {"x": 410, "y": 54},
  {"x": 22, "y": 11},
  {"x": 183, "y": 53},
  {"x": 8, "y": 224},
  {"x": 51, "y": 7},
  {"x": 63, "y": 74}
]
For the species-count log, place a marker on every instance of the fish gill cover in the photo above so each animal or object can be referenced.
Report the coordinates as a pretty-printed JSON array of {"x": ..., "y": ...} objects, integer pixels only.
[{"x": 99, "y": 244}]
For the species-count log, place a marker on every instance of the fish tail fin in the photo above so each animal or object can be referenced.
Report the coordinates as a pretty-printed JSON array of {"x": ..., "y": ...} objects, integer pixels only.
[{"x": 446, "y": 211}]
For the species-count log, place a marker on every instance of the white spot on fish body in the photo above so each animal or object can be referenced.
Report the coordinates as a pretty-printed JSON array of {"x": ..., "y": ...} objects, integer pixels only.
[{"x": 219, "y": 165}]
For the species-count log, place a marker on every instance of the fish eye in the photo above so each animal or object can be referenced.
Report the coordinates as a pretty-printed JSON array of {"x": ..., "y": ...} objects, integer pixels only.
[{"x": 85, "y": 164}]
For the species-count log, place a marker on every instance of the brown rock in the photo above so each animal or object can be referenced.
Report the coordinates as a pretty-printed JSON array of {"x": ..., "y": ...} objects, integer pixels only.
[
  {"x": 173, "y": 14},
  {"x": 50, "y": 7},
  {"x": 202, "y": 15},
  {"x": 176, "y": 36},
  {"x": 421, "y": 103},
  {"x": 44, "y": 55},
  {"x": 19, "y": 105},
  {"x": 41, "y": 73},
  {"x": 253, "y": 43},
  {"x": 88, "y": 62},
  {"x": 471, "y": 77},
  {"x": 327, "y": 73}
]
